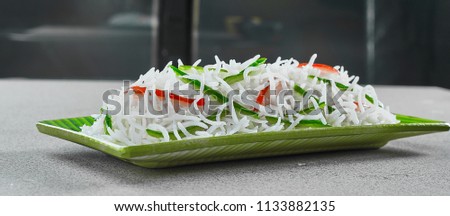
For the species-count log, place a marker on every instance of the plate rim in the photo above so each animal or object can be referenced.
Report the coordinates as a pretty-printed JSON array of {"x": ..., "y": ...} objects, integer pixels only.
[{"x": 123, "y": 151}]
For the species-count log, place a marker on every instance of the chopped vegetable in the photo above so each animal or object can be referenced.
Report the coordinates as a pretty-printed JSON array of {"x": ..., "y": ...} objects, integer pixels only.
[
  {"x": 240, "y": 76},
  {"x": 175, "y": 97},
  {"x": 322, "y": 67},
  {"x": 107, "y": 123},
  {"x": 226, "y": 114}
]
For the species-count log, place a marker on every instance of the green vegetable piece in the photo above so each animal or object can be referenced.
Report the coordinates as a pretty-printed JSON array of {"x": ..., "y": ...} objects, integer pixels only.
[
  {"x": 310, "y": 109},
  {"x": 107, "y": 123},
  {"x": 299, "y": 90},
  {"x": 199, "y": 68},
  {"x": 311, "y": 123},
  {"x": 370, "y": 99},
  {"x": 240, "y": 76},
  {"x": 188, "y": 67}
]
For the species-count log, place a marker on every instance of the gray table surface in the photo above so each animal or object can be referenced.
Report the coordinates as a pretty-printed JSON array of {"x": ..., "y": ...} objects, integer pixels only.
[{"x": 35, "y": 164}]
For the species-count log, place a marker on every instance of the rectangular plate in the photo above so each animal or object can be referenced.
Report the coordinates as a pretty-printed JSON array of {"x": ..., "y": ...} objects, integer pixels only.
[{"x": 240, "y": 146}]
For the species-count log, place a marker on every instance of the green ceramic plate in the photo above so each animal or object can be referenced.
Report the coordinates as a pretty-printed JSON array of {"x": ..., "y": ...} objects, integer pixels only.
[{"x": 193, "y": 151}]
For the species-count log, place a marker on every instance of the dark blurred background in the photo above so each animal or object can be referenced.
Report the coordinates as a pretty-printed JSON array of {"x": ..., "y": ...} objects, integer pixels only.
[{"x": 398, "y": 42}]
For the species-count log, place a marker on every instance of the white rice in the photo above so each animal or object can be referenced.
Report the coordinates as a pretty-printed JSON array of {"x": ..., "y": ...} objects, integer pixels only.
[{"x": 280, "y": 75}]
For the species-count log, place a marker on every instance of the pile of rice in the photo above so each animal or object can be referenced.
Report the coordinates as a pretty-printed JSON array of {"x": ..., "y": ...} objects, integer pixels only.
[{"x": 131, "y": 129}]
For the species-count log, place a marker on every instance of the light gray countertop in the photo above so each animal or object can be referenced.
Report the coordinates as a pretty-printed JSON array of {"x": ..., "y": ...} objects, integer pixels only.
[{"x": 36, "y": 164}]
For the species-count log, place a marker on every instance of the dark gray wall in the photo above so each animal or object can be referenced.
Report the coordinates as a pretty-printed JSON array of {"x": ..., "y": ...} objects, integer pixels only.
[
  {"x": 412, "y": 45},
  {"x": 72, "y": 39}
]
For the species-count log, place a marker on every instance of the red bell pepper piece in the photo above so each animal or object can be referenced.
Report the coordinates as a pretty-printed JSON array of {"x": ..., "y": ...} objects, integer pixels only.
[
  {"x": 161, "y": 94},
  {"x": 322, "y": 67}
]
